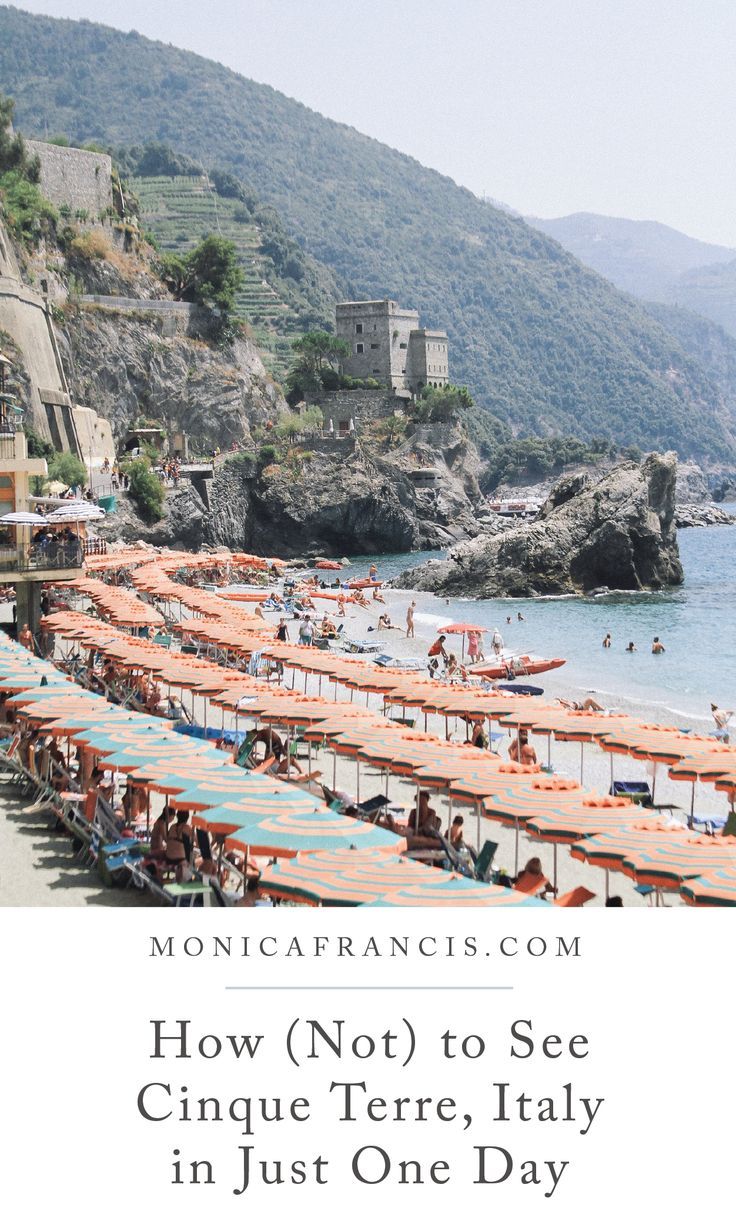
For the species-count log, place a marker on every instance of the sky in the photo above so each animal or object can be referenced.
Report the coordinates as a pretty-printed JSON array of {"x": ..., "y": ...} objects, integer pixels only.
[{"x": 621, "y": 107}]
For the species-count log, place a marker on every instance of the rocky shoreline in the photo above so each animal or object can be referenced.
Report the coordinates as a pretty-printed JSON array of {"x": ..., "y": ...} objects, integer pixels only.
[
  {"x": 614, "y": 533},
  {"x": 701, "y": 516}
]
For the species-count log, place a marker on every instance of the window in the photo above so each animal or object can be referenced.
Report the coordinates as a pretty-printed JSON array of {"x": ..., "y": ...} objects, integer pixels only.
[
  {"x": 376, "y": 370},
  {"x": 358, "y": 328},
  {"x": 402, "y": 345},
  {"x": 374, "y": 345},
  {"x": 359, "y": 348}
]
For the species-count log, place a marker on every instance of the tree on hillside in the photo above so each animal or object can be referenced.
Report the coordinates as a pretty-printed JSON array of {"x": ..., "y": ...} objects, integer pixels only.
[
  {"x": 13, "y": 156},
  {"x": 209, "y": 275},
  {"x": 317, "y": 355},
  {"x": 441, "y": 404}
]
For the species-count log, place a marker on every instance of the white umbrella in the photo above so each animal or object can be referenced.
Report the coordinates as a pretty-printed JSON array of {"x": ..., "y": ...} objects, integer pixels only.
[
  {"x": 23, "y": 518},
  {"x": 75, "y": 515}
]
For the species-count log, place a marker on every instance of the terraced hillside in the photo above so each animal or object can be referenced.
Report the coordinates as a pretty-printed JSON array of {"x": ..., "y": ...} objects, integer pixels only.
[{"x": 179, "y": 210}]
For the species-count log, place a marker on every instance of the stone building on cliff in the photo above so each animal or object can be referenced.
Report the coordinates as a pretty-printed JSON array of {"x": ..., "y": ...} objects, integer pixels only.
[{"x": 387, "y": 345}]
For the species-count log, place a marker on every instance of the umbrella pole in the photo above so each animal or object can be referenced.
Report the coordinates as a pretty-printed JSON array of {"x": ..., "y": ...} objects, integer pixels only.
[
  {"x": 516, "y": 849},
  {"x": 607, "y": 892},
  {"x": 319, "y": 685},
  {"x": 549, "y": 752},
  {"x": 416, "y": 812},
  {"x": 692, "y": 803},
  {"x": 447, "y": 730},
  {"x": 477, "y": 827},
  {"x": 582, "y": 752},
  {"x": 654, "y": 779},
  {"x": 357, "y": 781},
  {"x": 334, "y": 771},
  {"x": 612, "y": 771},
  {"x": 554, "y": 865}
]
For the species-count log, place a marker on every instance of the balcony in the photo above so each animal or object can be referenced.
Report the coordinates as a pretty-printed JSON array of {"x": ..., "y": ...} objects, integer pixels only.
[{"x": 30, "y": 560}]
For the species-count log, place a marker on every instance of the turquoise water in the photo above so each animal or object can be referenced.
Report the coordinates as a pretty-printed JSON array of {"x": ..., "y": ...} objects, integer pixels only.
[{"x": 696, "y": 623}]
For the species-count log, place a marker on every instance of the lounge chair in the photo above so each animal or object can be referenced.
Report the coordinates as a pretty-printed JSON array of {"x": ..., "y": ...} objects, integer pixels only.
[
  {"x": 484, "y": 861},
  {"x": 575, "y": 898}
]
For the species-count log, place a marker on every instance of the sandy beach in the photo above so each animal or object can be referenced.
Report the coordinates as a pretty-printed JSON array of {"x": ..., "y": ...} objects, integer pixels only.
[{"x": 38, "y": 869}]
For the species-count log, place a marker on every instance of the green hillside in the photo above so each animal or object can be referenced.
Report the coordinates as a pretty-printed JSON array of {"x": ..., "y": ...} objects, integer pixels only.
[
  {"x": 179, "y": 210},
  {"x": 546, "y": 345}
]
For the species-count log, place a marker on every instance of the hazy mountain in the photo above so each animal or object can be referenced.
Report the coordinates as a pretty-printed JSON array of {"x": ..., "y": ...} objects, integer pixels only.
[
  {"x": 645, "y": 258},
  {"x": 655, "y": 262},
  {"x": 708, "y": 344},
  {"x": 711, "y": 291},
  {"x": 545, "y": 344}
]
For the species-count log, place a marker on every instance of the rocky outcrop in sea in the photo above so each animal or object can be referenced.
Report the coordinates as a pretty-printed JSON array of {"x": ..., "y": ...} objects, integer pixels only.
[
  {"x": 701, "y": 516},
  {"x": 617, "y": 532}
]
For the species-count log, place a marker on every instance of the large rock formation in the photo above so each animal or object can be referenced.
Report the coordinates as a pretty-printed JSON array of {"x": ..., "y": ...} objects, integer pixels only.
[
  {"x": 617, "y": 533},
  {"x": 352, "y": 496}
]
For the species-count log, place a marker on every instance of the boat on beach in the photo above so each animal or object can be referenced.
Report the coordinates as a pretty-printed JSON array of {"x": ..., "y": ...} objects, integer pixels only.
[{"x": 515, "y": 664}]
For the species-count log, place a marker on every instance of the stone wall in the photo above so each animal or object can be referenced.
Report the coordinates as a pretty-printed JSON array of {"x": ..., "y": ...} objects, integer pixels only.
[
  {"x": 174, "y": 317},
  {"x": 75, "y": 177},
  {"x": 360, "y": 405}
]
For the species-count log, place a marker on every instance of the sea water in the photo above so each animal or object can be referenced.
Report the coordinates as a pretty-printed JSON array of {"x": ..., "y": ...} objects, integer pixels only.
[{"x": 696, "y": 623}]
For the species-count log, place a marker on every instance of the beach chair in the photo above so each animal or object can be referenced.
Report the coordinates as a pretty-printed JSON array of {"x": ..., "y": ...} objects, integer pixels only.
[
  {"x": 371, "y": 808},
  {"x": 333, "y": 801},
  {"x": 244, "y": 757},
  {"x": 484, "y": 861},
  {"x": 530, "y": 884},
  {"x": 575, "y": 898},
  {"x": 636, "y": 791},
  {"x": 709, "y": 824}
]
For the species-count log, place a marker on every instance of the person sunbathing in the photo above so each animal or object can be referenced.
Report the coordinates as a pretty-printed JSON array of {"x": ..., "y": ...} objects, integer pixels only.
[
  {"x": 581, "y": 705},
  {"x": 385, "y": 624}
]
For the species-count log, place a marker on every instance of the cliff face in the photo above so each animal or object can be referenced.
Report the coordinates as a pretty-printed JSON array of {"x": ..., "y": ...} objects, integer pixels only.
[
  {"x": 123, "y": 365},
  {"x": 617, "y": 533},
  {"x": 353, "y": 496}
]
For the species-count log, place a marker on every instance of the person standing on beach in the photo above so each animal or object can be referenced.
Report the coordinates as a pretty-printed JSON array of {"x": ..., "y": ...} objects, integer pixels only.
[
  {"x": 497, "y": 641},
  {"x": 410, "y": 620},
  {"x": 721, "y": 718},
  {"x": 26, "y": 637},
  {"x": 607, "y": 640},
  {"x": 481, "y": 653},
  {"x": 473, "y": 646}
]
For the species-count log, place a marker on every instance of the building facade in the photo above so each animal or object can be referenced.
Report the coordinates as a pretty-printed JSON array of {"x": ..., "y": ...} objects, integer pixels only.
[{"x": 387, "y": 344}]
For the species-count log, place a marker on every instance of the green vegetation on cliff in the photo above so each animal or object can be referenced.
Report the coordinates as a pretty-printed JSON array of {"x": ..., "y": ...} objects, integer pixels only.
[{"x": 547, "y": 346}]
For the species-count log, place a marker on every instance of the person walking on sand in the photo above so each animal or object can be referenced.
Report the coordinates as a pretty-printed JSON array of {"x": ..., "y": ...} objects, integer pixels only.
[
  {"x": 721, "y": 718},
  {"x": 497, "y": 641},
  {"x": 410, "y": 620},
  {"x": 607, "y": 640},
  {"x": 26, "y": 637},
  {"x": 657, "y": 646}
]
